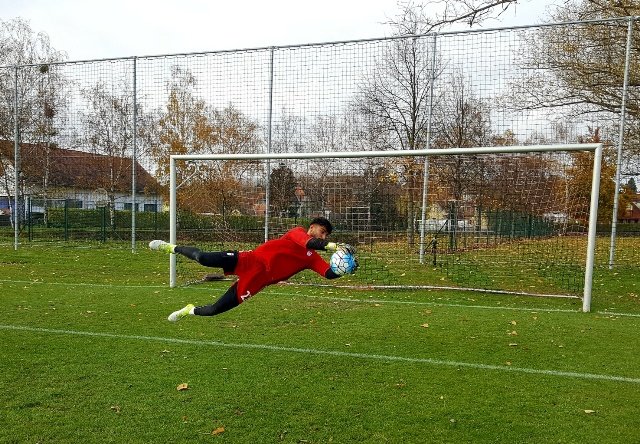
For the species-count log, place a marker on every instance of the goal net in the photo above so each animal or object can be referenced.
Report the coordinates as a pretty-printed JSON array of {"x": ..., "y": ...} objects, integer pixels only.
[{"x": 503, "y": 219}]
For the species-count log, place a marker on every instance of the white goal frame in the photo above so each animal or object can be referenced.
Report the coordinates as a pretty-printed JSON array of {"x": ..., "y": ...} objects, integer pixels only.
[{"x": 426, "y": 153}]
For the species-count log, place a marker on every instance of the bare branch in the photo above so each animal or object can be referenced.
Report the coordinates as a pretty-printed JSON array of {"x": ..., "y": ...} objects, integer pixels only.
[{"x": 424, "y": 17}]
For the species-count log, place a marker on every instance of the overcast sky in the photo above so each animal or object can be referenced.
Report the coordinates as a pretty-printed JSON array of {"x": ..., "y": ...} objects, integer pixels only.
[{"x": 95, "y": 29}]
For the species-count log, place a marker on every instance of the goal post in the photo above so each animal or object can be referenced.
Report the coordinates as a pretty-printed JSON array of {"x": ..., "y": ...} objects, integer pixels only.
[
  {"x": 593, "y": 221},
  {"x": 478, "y": 204}
]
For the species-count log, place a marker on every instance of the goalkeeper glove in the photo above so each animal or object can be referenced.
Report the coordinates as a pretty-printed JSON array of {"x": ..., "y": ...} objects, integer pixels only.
[
  {"x": 335, "y": 246},
  {"x": 355, "y": 264}
]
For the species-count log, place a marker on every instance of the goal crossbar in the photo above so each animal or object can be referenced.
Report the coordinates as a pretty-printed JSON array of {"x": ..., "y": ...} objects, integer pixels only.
[
  {"x": 593, "y": 207},
  {"x": 394, "y": 153}
]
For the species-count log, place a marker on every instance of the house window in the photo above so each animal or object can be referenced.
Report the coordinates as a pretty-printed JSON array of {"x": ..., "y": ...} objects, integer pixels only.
[
  {"x": 151, "y": 207},
  {"x": 57, "y": 203},
  {"x": 128, "y": 206},
  {"x": 74, "y": 203},
  {"x": 37, "y": 202},
  {"x": 4, "y": 203}
]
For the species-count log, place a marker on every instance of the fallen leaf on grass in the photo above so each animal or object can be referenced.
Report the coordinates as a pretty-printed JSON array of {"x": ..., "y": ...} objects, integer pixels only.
[
  {"x": 115, "y": 408},
  {"x": 425, "y": 325},
  {"x": 183, "y": 386},
  {"x": 217, "y": 431},
  {"x": 588, "y": 412}
]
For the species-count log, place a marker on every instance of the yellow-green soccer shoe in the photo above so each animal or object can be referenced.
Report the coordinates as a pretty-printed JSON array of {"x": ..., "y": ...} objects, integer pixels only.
[
  {"x": 161, "y": 245},
  {"x": 179, "y": 314}
]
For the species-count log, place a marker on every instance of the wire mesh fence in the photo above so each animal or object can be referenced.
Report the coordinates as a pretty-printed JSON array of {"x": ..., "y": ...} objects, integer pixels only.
[{"x": 97, "y": 135}]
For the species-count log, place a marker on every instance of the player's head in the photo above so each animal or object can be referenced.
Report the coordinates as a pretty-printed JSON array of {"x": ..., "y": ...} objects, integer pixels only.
[{"x": 320, "y": 228}]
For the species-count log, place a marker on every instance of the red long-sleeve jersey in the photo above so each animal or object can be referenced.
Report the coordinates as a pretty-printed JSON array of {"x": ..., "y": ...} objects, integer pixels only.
[{"x": 276, "y": 260}]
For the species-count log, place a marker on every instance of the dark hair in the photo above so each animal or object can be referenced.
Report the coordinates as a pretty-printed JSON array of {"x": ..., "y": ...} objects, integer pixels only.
[{"x": 323, "y": 222}]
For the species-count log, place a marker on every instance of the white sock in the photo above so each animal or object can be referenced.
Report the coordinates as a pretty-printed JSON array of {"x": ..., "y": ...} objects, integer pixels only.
[{"x": 192, "y": 311}]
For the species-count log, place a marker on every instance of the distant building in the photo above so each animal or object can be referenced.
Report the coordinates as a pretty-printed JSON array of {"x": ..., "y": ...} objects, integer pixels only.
[
  {"x": 82, "y": 179},
  {"x": 631, "y": 214}
]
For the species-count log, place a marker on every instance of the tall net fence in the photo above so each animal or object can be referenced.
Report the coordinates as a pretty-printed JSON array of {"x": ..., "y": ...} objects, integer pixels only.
[{"x": 97, "y": 135}]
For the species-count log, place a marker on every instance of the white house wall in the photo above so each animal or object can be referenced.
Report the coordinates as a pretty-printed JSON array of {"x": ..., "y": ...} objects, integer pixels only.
[{"x": 90, "y": 199}]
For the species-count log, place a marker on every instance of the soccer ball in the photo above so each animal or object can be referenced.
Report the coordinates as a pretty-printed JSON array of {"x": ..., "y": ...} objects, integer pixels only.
[{"x": 342, "y": 263}]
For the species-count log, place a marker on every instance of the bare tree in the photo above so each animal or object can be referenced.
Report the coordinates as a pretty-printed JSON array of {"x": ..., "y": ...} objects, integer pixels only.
[
  {"x": 580, "y": 68},
  {"x": 37, "y": 84},
  {"x": 233, "y": 132},
  {"x": 395, "y": 100},
  {"x": 395, "y": 96},
  {"x": 282, "y": 187},
  {"x": 108, "y": 132},
  {"x": 461, "y": 120},
  {"x": 25, "y": 59},
  {"x": 287, "y": 136}
]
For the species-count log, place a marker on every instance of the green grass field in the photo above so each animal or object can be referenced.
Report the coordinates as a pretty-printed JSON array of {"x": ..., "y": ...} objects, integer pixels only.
[{"x": 88, "y": 356}]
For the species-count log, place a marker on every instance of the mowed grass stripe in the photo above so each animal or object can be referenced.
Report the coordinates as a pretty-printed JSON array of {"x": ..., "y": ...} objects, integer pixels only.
[
  {"x": 276, "y": 348},
  {"x": 335, "y": 298}
]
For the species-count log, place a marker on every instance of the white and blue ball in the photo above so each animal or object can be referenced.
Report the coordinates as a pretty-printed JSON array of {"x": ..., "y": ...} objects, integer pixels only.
[{"x": 342, "y": 262}]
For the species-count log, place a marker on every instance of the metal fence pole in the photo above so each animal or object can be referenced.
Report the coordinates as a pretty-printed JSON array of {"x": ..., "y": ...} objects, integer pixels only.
[
  {"x": 16, "y": 164},
  {"x": 173, "y": 214},
  {"x": 66, "y": 220},
  {"x": 134, "y": 160},
  {"x": 103, "y": 224},
  {"x": 623, "y": 112},
  {"x": 29, "y": 220},
  {"x": 425, "y": 175},
  {"x": 269, "y": 122}
]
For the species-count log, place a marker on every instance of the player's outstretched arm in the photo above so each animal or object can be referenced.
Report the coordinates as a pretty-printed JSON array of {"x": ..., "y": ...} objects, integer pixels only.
[{"x": 322, "y": 244}]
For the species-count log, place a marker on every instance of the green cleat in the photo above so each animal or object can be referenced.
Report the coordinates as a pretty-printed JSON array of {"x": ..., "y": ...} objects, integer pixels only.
[
  {"x": 177, "y": 315},
  {"x": 161, "y": 245}
]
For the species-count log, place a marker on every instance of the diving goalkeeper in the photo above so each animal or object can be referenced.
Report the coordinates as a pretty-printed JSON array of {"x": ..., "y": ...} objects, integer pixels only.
[{"x": 274, "y": 261}]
